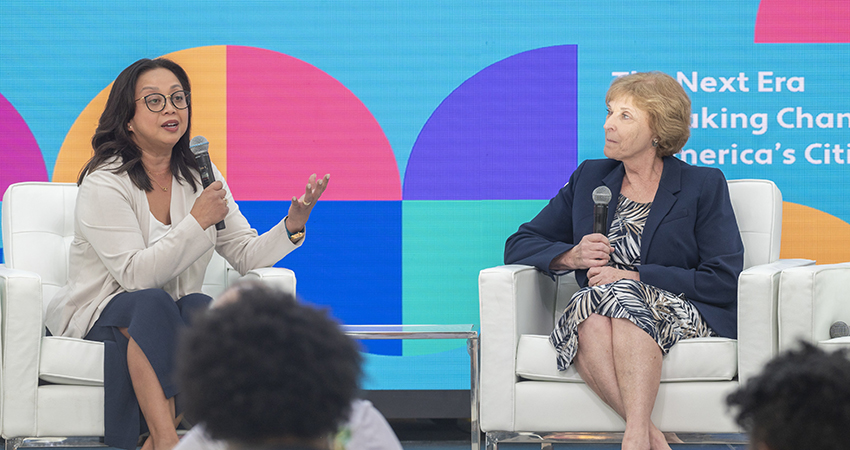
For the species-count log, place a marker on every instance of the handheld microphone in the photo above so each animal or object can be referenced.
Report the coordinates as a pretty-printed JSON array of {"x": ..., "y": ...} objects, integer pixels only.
[
  {"x": 200, "y": 149},
  {"x": 601, "y": 198}
]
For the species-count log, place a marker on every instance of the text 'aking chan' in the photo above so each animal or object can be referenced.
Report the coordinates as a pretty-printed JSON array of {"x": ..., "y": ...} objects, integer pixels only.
[{"x": 789, "y": 118}]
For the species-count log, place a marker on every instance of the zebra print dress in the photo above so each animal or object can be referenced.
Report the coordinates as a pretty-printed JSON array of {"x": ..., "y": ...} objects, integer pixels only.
[{"x": 666, "y": 317}]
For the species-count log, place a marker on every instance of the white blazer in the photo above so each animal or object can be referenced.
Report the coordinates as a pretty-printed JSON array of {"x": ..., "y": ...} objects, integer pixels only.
[{"x": 111, "y": 252}]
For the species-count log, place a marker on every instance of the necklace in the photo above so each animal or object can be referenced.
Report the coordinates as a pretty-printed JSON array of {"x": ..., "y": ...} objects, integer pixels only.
[{"x": 164, "y": 189}]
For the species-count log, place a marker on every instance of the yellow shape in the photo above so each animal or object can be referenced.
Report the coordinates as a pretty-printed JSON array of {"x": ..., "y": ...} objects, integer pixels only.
[
  {"x": 207, "y": 69},
  {"x": 76, "y": 150},
  {"x": 813, "y": 234}
]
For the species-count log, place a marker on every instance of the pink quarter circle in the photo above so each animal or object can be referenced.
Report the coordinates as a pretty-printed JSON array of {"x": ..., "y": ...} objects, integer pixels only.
[
  {"x": 21, "y": 158},
  {"x": 287, "y": 119}
]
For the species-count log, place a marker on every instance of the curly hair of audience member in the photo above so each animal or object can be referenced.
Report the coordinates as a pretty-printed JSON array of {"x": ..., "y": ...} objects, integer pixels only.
[
  {"x": 266, "y": 367},
  {"x": 800, "y": 400}
]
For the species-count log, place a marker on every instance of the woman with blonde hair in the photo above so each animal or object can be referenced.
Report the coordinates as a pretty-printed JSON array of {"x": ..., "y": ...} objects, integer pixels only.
[{"x": 667, "y": 269}]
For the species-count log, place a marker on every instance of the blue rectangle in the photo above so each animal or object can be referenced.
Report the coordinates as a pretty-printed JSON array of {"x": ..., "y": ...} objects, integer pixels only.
[{"x": 350, "y": 260}]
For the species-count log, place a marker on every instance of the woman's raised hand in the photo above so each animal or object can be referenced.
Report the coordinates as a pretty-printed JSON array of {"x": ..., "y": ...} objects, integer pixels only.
[
  {"x": 593, "y": 250},
  {"x": 211, "y": 207},
  {"x": 300, "y": 208}
]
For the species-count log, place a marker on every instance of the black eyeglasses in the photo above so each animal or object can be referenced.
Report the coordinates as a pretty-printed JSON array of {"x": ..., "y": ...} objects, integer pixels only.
[{"x": 156, "y": 102}]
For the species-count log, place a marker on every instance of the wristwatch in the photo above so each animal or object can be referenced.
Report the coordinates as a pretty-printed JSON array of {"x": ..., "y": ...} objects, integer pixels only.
[{"x": 293, "y": 237}]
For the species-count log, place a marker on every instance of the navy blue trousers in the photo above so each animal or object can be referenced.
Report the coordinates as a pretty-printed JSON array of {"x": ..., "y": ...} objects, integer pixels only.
[{"x": 154, "y": 320}]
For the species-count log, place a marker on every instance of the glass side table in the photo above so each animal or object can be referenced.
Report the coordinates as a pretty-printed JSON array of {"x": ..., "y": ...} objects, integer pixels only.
[{"x": 464, "y": 331}]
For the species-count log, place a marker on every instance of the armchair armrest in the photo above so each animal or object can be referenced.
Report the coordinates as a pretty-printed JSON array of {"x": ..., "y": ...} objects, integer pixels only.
[
  {"x": 22, "y": 330},
  {"x": 513, "y": 300},
  {"x": 758, "y": 293},
  {"x": 277, "y": 277},
  {"x": 811, "y": 299}
]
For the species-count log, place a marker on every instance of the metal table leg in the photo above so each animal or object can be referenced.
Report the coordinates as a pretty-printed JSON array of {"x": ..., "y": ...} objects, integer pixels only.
[{"x": 472, "y": 347}]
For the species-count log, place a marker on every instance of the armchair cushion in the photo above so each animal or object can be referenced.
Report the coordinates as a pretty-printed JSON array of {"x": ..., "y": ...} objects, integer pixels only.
[
  {"x": 834, "y": 344},
  {"x": 701, "y": 359},
  {"x": 71, "y": 361}
]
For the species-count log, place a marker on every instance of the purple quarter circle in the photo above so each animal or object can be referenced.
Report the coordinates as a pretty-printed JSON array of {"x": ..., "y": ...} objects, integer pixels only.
[{"x": 506, "y": 133}]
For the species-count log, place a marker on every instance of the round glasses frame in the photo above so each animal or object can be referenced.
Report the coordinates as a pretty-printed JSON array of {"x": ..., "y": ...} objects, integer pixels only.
[{"x": 156, "y": 102}]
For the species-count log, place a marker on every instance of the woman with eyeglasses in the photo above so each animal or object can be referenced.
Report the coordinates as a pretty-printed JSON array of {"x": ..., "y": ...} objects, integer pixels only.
[{"x": 143, "y": 238}]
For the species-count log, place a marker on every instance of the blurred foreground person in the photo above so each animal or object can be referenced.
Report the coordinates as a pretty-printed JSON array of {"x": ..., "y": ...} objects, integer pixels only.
[
  {"x": 801, "y": 400},
  {"x": 261, "y": 370}
]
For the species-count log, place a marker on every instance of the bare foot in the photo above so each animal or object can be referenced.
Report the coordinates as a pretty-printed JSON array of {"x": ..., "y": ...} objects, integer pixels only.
[
  {"x": 657, "y": 440},
  {"x": 636, "y": 439}
]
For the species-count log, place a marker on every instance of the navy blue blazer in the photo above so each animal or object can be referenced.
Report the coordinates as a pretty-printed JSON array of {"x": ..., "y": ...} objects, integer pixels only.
[{"x": 690, "y": 244}]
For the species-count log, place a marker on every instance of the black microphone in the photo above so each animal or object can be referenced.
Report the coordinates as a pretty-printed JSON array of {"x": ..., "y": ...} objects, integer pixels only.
[
  {"x": 601, "y": 198},
  {"x": 200, "y": 147},
  {"x": 839, "y": 329}
]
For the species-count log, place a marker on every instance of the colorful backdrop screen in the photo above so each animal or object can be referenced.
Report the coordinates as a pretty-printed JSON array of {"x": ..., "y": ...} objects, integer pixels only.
[{"x": 444, "y": 125}]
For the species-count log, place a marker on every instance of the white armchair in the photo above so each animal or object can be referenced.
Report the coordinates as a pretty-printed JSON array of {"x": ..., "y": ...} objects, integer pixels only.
[
  {"x": 524, "y": 398},
  {"x": 811, "y": 299},
  {"x": 51, "y": 388}
]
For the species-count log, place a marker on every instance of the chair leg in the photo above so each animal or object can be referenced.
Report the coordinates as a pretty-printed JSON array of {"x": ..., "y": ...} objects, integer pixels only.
[
  {"x": 491, "y": 443},
  {"x": 13, "y": 443}
]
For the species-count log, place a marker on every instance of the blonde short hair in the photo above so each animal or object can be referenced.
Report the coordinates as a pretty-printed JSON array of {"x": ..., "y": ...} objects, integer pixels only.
[{"x": 666, "y": 103}]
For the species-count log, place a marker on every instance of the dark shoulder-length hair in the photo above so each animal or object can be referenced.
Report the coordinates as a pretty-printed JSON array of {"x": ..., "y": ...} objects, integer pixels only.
[{"x": 113, "y": 140}]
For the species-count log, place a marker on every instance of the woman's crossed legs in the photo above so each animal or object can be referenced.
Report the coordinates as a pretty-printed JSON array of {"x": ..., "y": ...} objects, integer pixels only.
[{"x": 622, "y": 365}]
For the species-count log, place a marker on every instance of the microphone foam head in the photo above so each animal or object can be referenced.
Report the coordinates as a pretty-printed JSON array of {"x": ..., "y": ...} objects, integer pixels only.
[
  {"x": 602, "y": 195},
  {"x": 199, "y": 144},
  {"x": 839, "y": 329}
]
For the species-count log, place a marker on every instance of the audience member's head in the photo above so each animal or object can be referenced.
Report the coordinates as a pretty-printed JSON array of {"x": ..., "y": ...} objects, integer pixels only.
[
  {"x": 800, "y": 400},
  {"x": 260, "y": 368}
]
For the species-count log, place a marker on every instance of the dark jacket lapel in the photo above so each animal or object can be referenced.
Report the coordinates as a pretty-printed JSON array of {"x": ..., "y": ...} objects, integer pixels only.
[{"x": 665, "y": 198}]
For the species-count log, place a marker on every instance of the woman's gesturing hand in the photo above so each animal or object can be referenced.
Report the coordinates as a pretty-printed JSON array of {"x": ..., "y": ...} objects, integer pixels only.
[
  {"x": 211, "y": 207},
  {"x": 300, "y": 208},
  {"x": 593, "y": 250}
]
